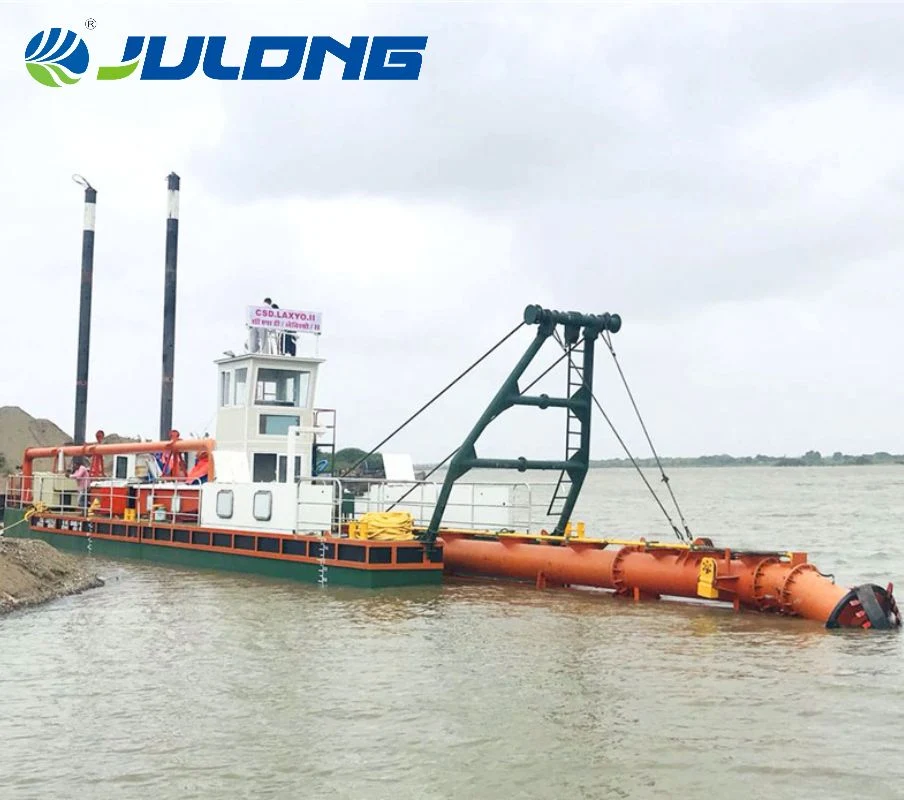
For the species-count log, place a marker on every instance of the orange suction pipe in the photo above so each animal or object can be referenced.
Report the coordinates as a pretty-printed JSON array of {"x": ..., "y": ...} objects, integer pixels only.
[{"x": 781, "y": 583}]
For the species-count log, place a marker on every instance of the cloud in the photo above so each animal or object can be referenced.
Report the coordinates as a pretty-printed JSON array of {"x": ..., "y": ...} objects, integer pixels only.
[
  {"x": 666, "y": 157},
  {"x": 727, "y": 178}
]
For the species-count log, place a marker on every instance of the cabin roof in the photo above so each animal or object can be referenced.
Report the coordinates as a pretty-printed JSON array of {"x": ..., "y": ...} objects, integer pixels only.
[{"x": 270, "y": 358}]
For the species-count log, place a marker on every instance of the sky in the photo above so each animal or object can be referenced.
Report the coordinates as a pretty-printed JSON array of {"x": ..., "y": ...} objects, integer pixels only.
[{"x": 727, "y": 178}]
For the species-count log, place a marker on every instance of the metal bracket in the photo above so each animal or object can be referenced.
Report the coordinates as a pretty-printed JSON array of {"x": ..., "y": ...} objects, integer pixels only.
[{"x": 510, "y": 395}]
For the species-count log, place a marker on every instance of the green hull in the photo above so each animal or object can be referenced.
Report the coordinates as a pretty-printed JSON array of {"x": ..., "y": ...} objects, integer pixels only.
[
  {"x": 11, "y": 516},
  {"x": 200, "y": 559}
]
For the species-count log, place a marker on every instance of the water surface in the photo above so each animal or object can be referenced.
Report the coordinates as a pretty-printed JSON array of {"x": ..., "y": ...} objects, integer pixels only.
[{"x": 170, "y": 683}]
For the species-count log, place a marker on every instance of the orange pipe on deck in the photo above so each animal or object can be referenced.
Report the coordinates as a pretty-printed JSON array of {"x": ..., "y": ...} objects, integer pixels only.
[
  {"x": 121, "y": 448},
  {"x": 764, "y": 582}
]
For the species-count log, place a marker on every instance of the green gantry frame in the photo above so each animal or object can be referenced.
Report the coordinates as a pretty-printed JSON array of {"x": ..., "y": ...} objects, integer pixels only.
[{"x": 578, "y": 403}]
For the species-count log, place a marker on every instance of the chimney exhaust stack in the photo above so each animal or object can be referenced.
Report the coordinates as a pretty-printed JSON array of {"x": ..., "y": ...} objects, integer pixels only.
[
  {"x": 169, "y": 307},
  {"x": 84, "y": 318}
]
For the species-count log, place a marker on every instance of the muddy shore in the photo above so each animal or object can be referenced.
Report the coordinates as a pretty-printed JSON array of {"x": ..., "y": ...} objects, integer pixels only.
[{"x": 33, "y": 572}]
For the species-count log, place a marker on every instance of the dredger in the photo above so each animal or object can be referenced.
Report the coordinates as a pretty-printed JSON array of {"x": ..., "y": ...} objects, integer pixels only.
[
  {"x": 224, "y": 512},
  {"x": 256, "y": 498}
]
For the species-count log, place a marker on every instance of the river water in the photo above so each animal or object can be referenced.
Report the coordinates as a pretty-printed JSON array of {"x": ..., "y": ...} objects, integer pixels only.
[{"x": 169, "y": 683}]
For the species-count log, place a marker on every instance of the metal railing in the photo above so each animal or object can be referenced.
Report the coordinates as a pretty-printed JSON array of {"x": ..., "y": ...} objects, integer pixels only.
[
  {"x": 492, "y": 506},
  {"x": 267, "y": 341},
  {"x": 274, "y": 341},
  {"x": 167, "y": 500}
]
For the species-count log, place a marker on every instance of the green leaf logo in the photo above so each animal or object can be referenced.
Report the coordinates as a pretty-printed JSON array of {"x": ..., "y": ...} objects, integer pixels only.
[{"x": 56, "y": 57}]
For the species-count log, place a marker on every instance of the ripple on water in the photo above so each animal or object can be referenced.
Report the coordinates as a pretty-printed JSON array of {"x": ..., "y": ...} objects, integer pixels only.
[{"x": 170, "y": 683}]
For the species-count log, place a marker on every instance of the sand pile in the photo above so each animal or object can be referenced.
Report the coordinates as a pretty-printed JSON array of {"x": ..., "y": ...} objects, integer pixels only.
[
  {"x": 32, "y": 572},
  {"x": 19, "y": 429}
]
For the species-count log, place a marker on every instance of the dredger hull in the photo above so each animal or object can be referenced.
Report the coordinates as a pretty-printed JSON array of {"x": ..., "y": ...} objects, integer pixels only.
[{"x": 783, "y": 583}]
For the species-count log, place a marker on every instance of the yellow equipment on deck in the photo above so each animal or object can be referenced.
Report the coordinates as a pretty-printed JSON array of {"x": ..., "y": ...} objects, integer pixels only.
[{"x": 383, "y": 526}]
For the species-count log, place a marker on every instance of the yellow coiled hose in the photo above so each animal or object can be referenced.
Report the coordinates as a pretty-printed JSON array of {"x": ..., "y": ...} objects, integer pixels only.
[{"x": 387, "y": 526}]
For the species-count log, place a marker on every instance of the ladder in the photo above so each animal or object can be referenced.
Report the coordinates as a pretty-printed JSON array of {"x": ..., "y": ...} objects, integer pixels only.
[{"x": 573, "y": 429}]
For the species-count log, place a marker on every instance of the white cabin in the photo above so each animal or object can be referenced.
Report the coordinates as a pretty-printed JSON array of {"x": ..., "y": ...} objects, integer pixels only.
[
  {"x": 266, "y": 454},
  {"x": 261, "y": 399}
]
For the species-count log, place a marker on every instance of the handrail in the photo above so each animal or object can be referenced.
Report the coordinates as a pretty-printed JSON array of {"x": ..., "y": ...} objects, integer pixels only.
[
  {"x": 468, "y": 505},
  {"x": 508, "y": 506}
]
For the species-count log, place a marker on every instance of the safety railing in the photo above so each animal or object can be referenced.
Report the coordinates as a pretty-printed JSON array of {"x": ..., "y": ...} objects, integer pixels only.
[
  {"x": 321, "y": 503},
  {"x": 172, "y": 500},
  {"x": 265, "y": 340},
  {"x": 493, "y": 506},
  {"x": 176, "y": 500},
  {"x": 278, "y": 342}
]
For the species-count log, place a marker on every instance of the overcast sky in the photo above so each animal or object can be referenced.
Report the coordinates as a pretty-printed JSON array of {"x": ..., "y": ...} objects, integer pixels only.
[{"x": 728, "y": 179}]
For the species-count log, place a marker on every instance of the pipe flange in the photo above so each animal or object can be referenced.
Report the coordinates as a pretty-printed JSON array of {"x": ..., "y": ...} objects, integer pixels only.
[
  {"x": 762, "y": 602},
  {"x": 786, "y": 607},
  {"x": 618, "y": 578}
]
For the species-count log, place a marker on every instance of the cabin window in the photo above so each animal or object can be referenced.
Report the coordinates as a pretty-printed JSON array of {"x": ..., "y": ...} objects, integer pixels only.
[
  {"x": 264, "y": 468},
  {"x": 121, "y": 467},
  {"x": 224, "y": 503},
  {"x": 225, "y": 397},
  {"x": 262, "y": 506},
  {"x": 281, "y": 387},
  {"x": 276, "y": 424},
  {"x": 283, "y": 461},
  {"x": 241, "y": 387}
]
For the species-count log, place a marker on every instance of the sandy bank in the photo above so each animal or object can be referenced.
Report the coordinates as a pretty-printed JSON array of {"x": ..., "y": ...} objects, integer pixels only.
[{"x": 32, "y": 572}]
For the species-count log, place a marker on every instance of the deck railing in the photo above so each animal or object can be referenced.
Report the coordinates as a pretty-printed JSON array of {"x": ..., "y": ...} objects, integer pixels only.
[
  {"x": 177, "y": 498},
  {"x": 497, "y": 505},
  {"x": 493, "y": 506}
]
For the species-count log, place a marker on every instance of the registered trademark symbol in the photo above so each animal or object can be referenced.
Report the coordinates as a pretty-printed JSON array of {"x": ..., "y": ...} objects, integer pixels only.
[{"x": 90, "y": 23}]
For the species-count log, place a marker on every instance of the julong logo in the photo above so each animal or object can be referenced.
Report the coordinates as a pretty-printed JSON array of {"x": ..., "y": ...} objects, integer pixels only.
[
  {"x": 56, "y": 58},
  {"x": 267, "y": 58}
]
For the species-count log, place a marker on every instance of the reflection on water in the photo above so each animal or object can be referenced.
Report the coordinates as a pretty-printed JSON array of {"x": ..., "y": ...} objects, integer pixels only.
[{"x": 169, "y": 683}]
